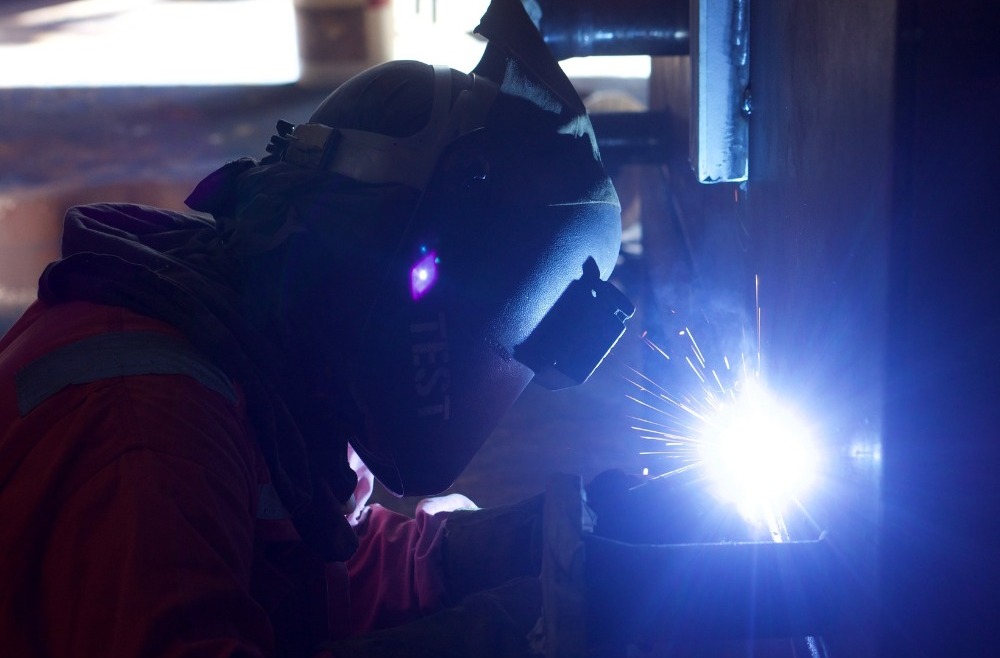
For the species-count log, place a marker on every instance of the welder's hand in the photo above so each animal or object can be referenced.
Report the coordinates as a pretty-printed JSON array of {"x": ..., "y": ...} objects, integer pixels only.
[
  {"x": 483, "y": 548},
  {"x": 671, "y": 510},
  {"x": 491, "y": 624}
]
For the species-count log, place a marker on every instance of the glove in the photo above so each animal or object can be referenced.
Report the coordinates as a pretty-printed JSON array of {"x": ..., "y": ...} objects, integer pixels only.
[
  {"x": 490, "y": 624},
  {"x": 484, "y": 548}
]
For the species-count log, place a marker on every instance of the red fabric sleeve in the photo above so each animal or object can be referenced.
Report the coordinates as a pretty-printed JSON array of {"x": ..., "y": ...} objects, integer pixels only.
[
  {"x": 396, "y": 574},
  {"x": 141, "y": 540},
  {"x": 155, "y": 550}
]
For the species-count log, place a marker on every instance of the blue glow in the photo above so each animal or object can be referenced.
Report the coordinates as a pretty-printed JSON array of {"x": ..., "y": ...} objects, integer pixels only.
[
  {"x": 424, "y": 274},
  {"x": 758, "y": 452}
]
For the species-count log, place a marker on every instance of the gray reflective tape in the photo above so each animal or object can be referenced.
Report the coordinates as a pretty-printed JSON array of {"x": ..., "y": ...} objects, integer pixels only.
[{"x": 121, "y": 354}]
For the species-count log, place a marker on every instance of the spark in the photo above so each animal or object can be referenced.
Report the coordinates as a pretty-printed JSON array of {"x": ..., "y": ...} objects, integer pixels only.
[
  {"x": 656, "y": 347},
  {"x": 756, "y": 296},
  {"x": 694, "y": 347},
  {"x": 751, "y": 447},
  {"x": 722, "y": 388},
  {"x": 696, "y": 370}
]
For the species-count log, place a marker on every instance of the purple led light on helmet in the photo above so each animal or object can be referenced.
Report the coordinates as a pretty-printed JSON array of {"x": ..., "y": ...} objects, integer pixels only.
[{"x": 423, "y": 275}]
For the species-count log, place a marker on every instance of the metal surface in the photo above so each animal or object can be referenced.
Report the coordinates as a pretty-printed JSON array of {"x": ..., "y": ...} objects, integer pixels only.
[
  {"x": 818, "y": 210},
  {"x": 714, "y": 32},
  {"x": 720, "y": 76},
  {"x": 811, "y": 225},
  {"x": 623, "y": 27},
  {"x": 601, "y": 595},
  {"x": 714, "y": 591},
  {"x": 941, "y": 526}
]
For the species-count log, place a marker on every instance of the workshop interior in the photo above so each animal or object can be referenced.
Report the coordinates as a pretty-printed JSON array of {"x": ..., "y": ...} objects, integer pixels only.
[{"x": 810, "y": 237}]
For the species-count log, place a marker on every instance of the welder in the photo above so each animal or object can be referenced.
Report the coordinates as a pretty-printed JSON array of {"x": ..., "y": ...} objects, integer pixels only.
[{"x": 192, "y": 411}]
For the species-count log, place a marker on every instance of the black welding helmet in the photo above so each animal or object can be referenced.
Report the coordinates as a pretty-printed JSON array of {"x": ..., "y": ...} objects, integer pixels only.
[{"x": 500, "y": 273}]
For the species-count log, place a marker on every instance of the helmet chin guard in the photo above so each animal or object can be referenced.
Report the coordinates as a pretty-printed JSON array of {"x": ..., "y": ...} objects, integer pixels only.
[
  {"x": 578, "y": 331},
  {"x": 500, "y": 274}
]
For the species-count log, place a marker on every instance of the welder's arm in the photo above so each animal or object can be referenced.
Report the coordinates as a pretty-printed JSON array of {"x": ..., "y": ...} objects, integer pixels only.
[
  {"x": 484, "y": 548},
  {"x": 395, "y": 574},
  {"x": 151, "y": 556},
  {"x": 495, "y": 623},
  {"x": 406, "y": 568},
  {"x": 445, "y": 583},
  {"x": 485, "y": 560},
  {"x": 478, "y": 549}
]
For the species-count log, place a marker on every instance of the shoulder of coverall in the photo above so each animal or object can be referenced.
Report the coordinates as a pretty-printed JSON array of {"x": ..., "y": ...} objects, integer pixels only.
[{"x": 54, "y": 347}]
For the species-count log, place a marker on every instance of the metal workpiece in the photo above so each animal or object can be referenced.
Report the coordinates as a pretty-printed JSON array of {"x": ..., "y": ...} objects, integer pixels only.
[
  {"x": 625, "y": 27},
  {"x": 600, "y": 593},
  {"x": 720, "y": 79},
  {"x": 715, "y": 33},
  {"x": 753, "y": 590}
]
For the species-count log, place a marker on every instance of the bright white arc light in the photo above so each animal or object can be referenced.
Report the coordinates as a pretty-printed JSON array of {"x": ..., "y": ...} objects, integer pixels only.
[{"x": 758, "y": 453}]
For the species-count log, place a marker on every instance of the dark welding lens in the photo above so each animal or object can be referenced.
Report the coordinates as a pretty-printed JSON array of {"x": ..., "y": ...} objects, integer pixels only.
[{"x": 578, "y": 332}]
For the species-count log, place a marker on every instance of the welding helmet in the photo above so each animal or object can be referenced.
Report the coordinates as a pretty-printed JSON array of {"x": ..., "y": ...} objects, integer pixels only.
[{"x": 499, "y": 273}]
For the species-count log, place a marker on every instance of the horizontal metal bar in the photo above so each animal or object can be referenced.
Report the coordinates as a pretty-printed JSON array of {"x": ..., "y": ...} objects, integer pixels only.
[{"x": 582, "y": 28}]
